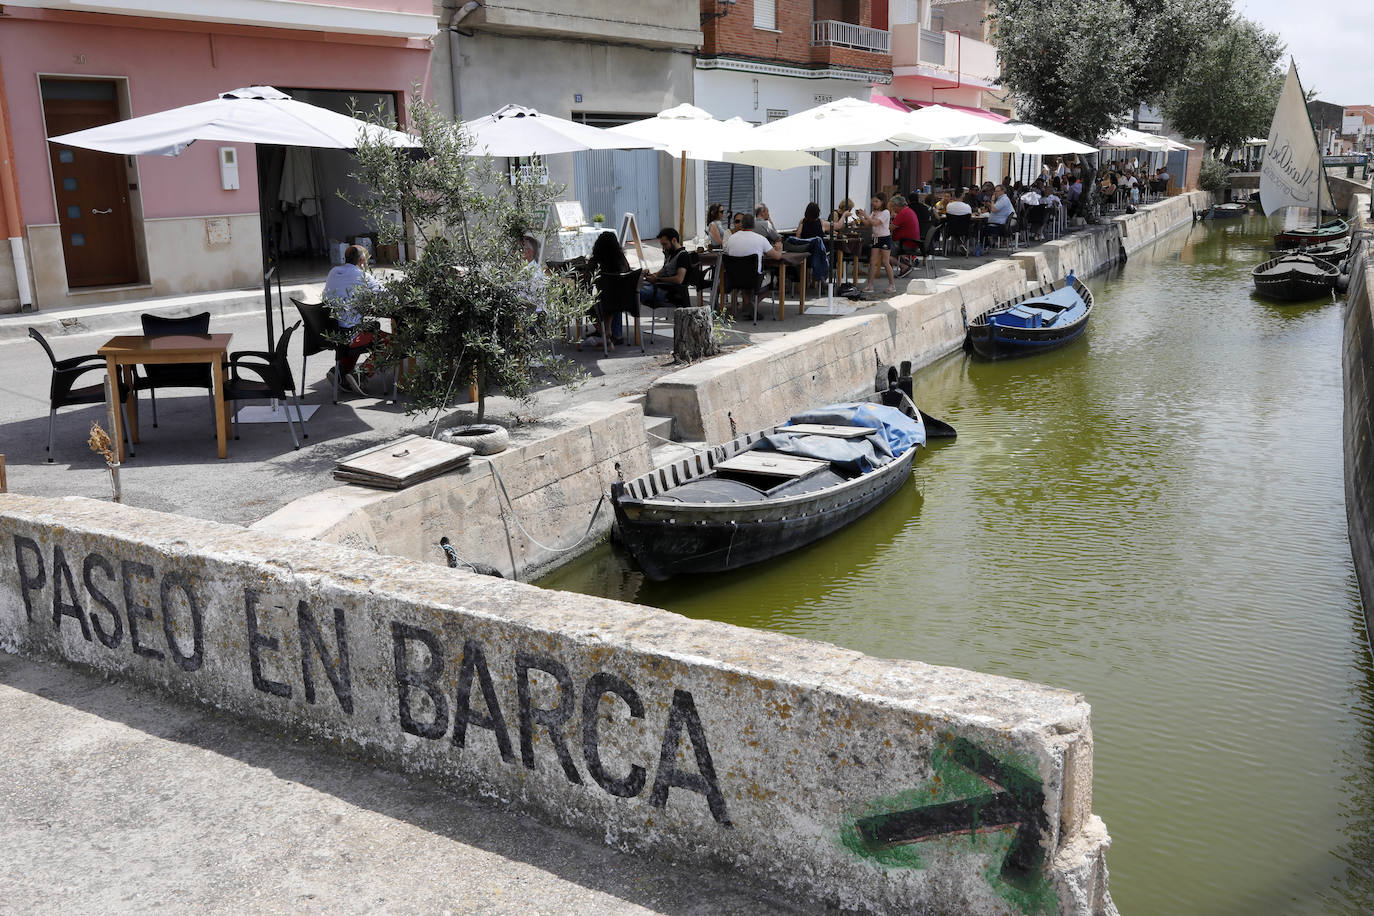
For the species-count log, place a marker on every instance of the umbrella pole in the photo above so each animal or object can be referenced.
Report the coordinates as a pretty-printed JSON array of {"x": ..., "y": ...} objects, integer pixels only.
[
  {"x": 831, "y": 279},
  {"x": 682, "y": 194},
  {"x": 730, "y": 198},
  {"x": 267, "y": 260}
]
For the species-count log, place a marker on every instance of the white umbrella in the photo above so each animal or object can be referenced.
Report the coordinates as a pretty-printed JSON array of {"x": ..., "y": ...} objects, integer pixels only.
[
  {"x": 844, "y": 124},
  {"x": 688, "y": 132},
  {"x": 1051, "y": 144},
  {"x": 960, "y": 129},
  {"x": 256, "y": 114},
  {"x": 516, "y": 131},
  {"x": 1126, "y": 138}
]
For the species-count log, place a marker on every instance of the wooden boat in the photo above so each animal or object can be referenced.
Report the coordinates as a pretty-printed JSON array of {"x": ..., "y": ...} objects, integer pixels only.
[
  {"x": 746, "y": 501},
  {"x": 1225, "y": 211},
  {"x": 1040, "y": 320},
  {"x": 1329, "y": 231},
  {"x": 1295, "y": 278},
  {"x": 1333, "y": 253}
]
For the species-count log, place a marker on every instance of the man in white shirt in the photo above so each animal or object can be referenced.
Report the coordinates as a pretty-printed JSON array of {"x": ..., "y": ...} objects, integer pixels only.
[
  {"x": 339, "y": 288},
  {"x": 748, "y": 241},
  {"x": 957, "y": 207}
]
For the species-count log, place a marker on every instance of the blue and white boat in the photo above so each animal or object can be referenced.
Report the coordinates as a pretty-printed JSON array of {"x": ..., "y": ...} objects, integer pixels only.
[{"x": 1040, "y": 320}]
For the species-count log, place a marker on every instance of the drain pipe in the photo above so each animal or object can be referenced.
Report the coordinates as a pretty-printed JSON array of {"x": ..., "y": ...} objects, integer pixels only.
[
  {"x": 458, "y": 14},
  {"x": 10, "y": 219}
]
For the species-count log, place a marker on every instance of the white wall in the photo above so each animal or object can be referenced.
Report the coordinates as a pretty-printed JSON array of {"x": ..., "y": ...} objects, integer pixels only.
[{"x": 728, "y": 94}]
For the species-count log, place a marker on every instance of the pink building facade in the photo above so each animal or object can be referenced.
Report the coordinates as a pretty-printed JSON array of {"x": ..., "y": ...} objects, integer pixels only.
[{"x": 88, "y": 227}]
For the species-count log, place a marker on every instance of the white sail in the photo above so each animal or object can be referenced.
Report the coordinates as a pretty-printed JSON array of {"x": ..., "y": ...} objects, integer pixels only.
[{"x": 1291, "y": 175}]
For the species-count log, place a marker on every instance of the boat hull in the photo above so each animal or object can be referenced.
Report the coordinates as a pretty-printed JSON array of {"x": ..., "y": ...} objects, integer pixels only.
[
  {"x": 1297, "y": 238},
  {"x": 1225, "y": 211},
  {"x": 1309, "y": 279},
  {"x": 683, "y": 539},
  {"x": 989, "y": 340}
]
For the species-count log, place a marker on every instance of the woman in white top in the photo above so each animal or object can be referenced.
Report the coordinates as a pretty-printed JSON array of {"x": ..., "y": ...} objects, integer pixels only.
[{"x": 880, "y": 257}]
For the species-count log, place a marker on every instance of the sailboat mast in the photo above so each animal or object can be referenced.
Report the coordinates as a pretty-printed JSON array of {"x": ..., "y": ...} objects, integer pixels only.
[{"x": 1316, "y": 141}]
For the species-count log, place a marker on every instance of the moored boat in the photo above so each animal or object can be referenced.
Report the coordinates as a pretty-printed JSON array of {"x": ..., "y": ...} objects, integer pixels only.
[
  {"x": 1327, "y": 232},
  {"x": 767, "y": 493},
  {"x": 1295, "y": 278},
  {"x": 1333, "y": 253},
  {"x": 1229, "y": 210},
  {"x": 1038, "y": 321}
]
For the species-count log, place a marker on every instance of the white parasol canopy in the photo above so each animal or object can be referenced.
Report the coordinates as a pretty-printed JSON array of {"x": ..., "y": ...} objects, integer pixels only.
[
  {"x": 846, "y": 124},
  {"x": 691, "y": 132},
  {"x": 1051, "y": 144},
  {"x": 955, "y": 129},
  {"x": 256, "y": 114},
  {"x": 1126, "y": 138},
  {"x": 515, "y": 131}
]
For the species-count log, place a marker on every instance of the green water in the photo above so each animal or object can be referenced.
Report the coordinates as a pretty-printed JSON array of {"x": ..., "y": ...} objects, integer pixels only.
[{"x": 1153, "y": 516}]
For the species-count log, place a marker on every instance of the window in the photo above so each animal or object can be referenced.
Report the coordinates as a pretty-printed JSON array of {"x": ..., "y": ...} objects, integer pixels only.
[{"x": 766, "y": 14}]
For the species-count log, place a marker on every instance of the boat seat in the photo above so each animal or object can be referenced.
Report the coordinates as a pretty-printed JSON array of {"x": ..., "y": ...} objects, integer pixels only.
[
  {"x": 713, "y": 490},
  {"x": 808, "y": 484}
]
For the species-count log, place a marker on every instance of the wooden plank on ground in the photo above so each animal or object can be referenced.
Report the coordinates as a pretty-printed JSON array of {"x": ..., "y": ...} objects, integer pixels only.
[{"x": 398, "y": 464}]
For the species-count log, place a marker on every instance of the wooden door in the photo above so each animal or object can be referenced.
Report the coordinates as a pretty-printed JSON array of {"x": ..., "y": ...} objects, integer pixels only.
[{"x": 92, "y": 188}]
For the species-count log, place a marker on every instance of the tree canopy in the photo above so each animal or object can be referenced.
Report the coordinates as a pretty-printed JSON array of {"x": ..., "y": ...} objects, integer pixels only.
[{"x": 1226, "y": 92}]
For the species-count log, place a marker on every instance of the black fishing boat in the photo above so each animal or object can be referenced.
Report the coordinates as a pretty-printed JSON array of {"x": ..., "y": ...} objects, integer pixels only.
[
  {"x": 1333, "y": 253},
  {"x": 1032, "y": 323},
  {"x": 1301, "y": 238},
  {"x": 1295, "y": 278},
  {"x": 767, "y": 493},
  {"x": 1229, "y": 210}
]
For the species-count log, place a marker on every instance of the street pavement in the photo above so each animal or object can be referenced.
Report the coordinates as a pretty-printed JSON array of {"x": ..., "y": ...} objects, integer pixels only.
[{"x": 118, "y": 801}]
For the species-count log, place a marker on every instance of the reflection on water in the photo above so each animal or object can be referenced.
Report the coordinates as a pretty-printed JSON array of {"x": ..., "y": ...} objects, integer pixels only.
[{"x": 1153, "y": 516}]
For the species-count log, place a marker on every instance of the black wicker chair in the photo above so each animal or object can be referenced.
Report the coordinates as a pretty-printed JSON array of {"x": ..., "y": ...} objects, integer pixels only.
[
  {"x": 742, "y": 274},
  {"x": 270, "y": 377},
  {"x": 189, "y": 375},
  {"x": 618, "y": 293},
  {"x": 64, "y": 393}
]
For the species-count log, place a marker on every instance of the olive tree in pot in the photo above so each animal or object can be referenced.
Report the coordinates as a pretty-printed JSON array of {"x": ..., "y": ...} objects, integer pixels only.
[{"x": 468, "y": 308}]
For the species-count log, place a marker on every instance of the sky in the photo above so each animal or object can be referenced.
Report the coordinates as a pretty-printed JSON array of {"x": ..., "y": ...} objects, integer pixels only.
[{"x": 1332, "y": 42}]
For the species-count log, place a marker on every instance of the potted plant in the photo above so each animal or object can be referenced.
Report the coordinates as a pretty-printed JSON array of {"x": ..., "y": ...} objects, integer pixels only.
[{"x": 598, "y": 220}]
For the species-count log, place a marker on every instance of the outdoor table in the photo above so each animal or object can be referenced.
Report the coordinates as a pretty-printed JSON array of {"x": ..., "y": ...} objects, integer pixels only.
[
  {"x": 848, "y": 247},
  {"x": 127, "y": 351},
  {"x": 798, "y": 259}
]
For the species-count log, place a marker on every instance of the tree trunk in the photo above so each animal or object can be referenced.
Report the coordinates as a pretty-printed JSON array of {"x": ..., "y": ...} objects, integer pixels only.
[
  {"x": 692, "y": 337},
  {"x": 1091, "y": 204}
]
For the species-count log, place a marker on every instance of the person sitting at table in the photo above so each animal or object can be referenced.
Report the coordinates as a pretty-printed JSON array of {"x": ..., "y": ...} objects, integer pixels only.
[
  {"x": 716, "y": 225},
  {"x": 843, "y": 215},
  {"x": 659, "y": 284},
  {"x": 941, "y": 204},
  {"x": 811, "y": 225},
  {"x": 607, "y": 257},
  {"x": 879, "y": 256},
  {"x": 746, "y": 242},
  {"x": 763, "y": 225},
  {"x": 339, "y": 286},
  {"x": 999, "y": 213},
  {"x": 905, "y": 226},
  {"x": 960, "y": 206}
]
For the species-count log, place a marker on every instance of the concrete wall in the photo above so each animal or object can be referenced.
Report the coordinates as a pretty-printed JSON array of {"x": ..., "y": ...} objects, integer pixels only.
[
  {"x": 845, "y": 780},
  {"x": 1357, "y": 367},
  {"x": 760, "y": 385},
  {"x": 555, "y": 473}
]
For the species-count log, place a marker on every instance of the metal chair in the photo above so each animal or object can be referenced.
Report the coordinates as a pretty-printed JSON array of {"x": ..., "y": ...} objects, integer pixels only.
[
  {"x": 191, "y": 375},
  {"x": 958, "y": 228},
  {"x": 273, "y": 380},
  {"x": 62, "y": 392},
  {"x": 742, "y": 274}
]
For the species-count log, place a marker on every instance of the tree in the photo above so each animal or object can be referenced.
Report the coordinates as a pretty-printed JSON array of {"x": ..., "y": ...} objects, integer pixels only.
[
  {"x": 1227, "y": 91},
  {"x": 1076, "y": 67},
  {"x": 468, "y": 308},
  {"x": 1071, "y": 66}
]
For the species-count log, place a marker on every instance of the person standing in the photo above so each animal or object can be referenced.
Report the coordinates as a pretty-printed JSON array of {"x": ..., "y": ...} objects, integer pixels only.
[{"x": 880, "y": 256}]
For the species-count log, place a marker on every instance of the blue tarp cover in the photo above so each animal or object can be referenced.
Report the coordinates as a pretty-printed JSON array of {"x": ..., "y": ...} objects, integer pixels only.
[
  {"x": 1021, "y": 315},
  {"x": 894, "y": 433}
]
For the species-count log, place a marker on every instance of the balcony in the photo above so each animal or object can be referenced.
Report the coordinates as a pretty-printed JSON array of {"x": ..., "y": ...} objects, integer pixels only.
[
  {"x": 922, "y": 52},
  {"x": 828, "y": 33}
]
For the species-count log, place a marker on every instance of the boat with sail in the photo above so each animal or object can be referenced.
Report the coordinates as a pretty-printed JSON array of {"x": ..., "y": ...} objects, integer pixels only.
[{"x": 1291, "y": 174}]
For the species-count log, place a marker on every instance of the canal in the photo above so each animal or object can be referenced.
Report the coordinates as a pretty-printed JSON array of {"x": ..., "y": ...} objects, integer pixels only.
[{"x": 1154, "y": 517}]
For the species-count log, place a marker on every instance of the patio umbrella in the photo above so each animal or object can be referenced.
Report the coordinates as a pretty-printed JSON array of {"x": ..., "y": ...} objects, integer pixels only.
[
  {"x": 1050, "y": 144},
  {"x": 256, "y": 114},
  {"x": 514, "y": 131},
  {"x": 688, "y": 132},
  {"x": 962, "y": 130},
  {"x": 1126, "y": 138}
]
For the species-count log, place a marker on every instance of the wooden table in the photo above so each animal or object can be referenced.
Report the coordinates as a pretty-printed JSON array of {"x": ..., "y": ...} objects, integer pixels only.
[
  {"x": 797, "y": 259},
  {"x": 125, "y": 352}
]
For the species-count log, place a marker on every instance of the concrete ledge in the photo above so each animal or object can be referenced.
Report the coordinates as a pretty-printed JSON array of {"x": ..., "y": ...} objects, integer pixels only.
[
  {"x": 555, "y": 474},
  {"x": 806, "y": 767},
  {"x": 1357, "y": 435}
]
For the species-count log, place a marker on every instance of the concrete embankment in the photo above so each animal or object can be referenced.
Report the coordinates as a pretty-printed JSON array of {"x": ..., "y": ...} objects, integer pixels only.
[
  {"x": 1357, "y": 366},
  {"x": 802, "y": 766},
  {"x": 557, "y": 472}
]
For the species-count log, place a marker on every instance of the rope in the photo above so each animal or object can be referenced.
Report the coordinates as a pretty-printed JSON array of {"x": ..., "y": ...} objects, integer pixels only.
[{"x": 523, "y": 530}]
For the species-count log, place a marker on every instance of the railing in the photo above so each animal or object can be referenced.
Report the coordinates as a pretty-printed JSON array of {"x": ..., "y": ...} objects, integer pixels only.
[
  {"x": 849, "y": 35},
  {"x": 932, "y": 48}
]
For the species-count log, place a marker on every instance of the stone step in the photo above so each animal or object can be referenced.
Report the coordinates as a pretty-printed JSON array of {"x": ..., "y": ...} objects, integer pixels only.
[
  {"x": 659, "y": 429},
  {"x": 666, "y": 454}
]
